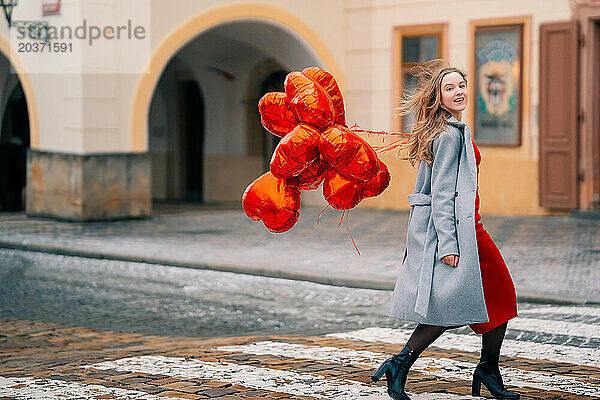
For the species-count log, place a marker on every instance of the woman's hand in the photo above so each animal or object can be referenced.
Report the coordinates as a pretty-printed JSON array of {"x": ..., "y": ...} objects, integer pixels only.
[{"x": 450, "y": 260}]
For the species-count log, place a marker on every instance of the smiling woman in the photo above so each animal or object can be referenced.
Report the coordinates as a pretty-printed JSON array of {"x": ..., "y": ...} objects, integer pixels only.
[{"x": 452, "y": 273}]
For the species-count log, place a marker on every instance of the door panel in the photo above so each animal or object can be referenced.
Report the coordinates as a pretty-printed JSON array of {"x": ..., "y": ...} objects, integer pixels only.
[{"x": 558, "y": 108}]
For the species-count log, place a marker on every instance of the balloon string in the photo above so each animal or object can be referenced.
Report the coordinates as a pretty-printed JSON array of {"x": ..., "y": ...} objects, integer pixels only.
[
  {"x": 350, "y": 233},
  {"x": 356, "y": 128},
  {"x": 340, "y": 224},
  {"x": 322, "y": 214},
  {"x": 341, "y": 219},
  {"x": 382, "y": 149},
  {"x": 391, "y": 146}
]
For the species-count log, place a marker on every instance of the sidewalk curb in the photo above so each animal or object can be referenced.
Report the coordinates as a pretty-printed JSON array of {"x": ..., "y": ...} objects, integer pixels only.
[
  {"x": 257, "y": 271},
  {"x": 240, "y": 269}
]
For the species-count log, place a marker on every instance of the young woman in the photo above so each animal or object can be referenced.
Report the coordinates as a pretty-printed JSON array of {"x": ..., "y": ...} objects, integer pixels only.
[{"x": 452, "y": 272}]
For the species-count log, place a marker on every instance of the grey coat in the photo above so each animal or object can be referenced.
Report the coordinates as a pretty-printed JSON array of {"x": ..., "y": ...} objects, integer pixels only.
[{"x": 441, "y": 223}]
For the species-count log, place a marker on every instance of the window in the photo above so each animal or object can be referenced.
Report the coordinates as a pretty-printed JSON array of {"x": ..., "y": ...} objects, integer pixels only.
[{"x": 413, "y": 45}]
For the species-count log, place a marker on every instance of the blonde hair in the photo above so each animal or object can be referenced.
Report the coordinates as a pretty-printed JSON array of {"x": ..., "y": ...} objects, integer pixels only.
[{"x": 430, "y": 115}]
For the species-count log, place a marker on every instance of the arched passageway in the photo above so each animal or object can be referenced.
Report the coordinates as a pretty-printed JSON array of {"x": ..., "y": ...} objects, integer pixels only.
[
  {"x": 204, "y": 131},
  {"x": 14, "y": 139}
]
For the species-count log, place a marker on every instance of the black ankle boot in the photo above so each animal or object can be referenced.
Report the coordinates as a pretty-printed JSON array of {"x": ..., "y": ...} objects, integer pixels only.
[
  {"x": 489, "y": 374},
  {"x": 396, "y": 369}
]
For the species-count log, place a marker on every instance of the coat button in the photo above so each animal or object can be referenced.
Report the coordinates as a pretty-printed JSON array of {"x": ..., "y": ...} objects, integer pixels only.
[
  {"x": 457, "y": 221},
  {"x": 455, "y": 194}
]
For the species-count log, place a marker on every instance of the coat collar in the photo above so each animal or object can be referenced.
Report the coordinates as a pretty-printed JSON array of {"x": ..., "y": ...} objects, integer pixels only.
[
  {"x": 467, "y": 146},
  {"x": 453, "y": 121}
]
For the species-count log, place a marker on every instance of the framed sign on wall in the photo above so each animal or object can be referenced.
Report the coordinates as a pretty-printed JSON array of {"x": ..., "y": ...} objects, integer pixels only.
[{"x": 498, "y": 82}]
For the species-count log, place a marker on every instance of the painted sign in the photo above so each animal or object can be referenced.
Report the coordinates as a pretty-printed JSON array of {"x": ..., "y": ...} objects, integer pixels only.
[{"x": 498, "y": 84}]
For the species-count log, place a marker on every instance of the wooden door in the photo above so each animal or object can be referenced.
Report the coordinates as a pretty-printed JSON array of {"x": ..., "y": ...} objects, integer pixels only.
[{"x": 558, "y": 110}]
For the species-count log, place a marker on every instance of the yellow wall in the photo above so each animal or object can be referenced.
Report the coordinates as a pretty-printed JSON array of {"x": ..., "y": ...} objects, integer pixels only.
[{"x": 508, "y": 176}]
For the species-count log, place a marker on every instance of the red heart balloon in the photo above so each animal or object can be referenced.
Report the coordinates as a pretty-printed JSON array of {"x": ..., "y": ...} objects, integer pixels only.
[
  {"x": 312, "y": 177},
  {"x": 348, "y": 153},
  {"x": 309, "y": 101},
  {"x": 276, "y": 115},
  {"x": 377, "y": 185},
  {"x": 296, "y": 152},
  {"x": 273, "y": 201},
  {"x": 340, "y": 192},
  {"x": 328, "y": 82}
]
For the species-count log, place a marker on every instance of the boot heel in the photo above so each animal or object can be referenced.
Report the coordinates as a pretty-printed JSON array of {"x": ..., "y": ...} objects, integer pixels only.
[
  {"x": 383, "y": 368},
  {"x": 476, "y": 388}
]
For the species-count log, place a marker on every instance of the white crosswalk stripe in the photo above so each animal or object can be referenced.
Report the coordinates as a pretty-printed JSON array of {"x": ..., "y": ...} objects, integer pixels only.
[
  {"x": 53, "y": 389},
  {"x": 472, "y": 343},
  {"x": 563, "y": 310},
  {"x": 440, "y": 367},
  {"x": 555, "y": 327},
  {"x": 295, "y": 383}
]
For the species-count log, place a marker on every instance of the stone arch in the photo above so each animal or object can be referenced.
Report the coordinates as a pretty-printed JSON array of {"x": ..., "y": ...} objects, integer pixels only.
[
  {"x": 203, "y": 22},
  {"x": 17, "y": 63}
]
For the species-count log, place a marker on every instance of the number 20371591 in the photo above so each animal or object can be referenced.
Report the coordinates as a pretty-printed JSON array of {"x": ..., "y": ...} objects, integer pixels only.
[{"x": 45, "y": 47}]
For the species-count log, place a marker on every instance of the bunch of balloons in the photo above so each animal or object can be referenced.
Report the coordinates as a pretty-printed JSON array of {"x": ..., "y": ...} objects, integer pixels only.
[{"x": 317, "y": 147}]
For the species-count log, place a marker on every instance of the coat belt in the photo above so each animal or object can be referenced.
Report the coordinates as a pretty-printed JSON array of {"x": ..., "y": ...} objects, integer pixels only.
[
  {"x": 419, "y": 199},
  {"x": 427, "y": 256}
]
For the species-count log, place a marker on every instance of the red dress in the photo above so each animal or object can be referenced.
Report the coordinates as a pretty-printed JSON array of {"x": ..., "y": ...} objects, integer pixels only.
[{"x": 498, "y": 287}]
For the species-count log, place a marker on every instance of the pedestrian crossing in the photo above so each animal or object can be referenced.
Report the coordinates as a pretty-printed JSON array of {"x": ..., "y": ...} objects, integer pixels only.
[
  {"x": 564, "y": 310},
  {"x": 472, "y": 343},
  {"x": 56, "y": 389},
  {"x": 293, "y": 384},
  {"x": 440, "y": 367},
  {"x": 556, "y": 327},
  {"x": 276, "y": 380},
  {"x": 532, "y": 367}
]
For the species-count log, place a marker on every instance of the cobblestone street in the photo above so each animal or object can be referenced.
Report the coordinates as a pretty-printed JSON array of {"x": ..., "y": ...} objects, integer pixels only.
[
  {"x": 550, "y": 258},
  {"x": 81, "y": 317},
  {"x": 44, "y": 361}
]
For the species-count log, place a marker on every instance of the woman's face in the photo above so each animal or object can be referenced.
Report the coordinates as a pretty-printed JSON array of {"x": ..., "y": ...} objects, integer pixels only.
[{"x": 454, "y": 93}]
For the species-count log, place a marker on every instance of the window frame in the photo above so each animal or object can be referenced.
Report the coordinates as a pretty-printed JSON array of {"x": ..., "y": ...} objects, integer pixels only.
[{"x": 400, "y": 68}]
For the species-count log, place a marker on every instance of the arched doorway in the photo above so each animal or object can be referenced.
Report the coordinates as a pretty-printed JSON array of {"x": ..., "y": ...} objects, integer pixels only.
[
  {"x": 14, "y": 142},
  {"x": 266, "y": 77},
  {"x": 192, "y": 119},
  {"x": 176, "y": 124},
  {"x": 272, "y": 83},
  {"x": 205, "y": 135}
]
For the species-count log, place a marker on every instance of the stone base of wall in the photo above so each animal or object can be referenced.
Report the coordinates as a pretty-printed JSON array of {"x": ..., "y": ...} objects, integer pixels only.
[{"x": 88, "y": 187}]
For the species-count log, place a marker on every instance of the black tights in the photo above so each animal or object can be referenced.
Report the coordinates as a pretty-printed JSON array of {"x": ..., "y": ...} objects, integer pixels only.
[
  {"x": 491, "y": 343},
  {"x": 424, "y": 335}
]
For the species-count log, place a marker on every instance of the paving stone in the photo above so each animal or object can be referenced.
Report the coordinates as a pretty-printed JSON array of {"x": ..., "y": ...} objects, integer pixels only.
[
  {"x": 183, "y": 395},
  {"x": 163, "y": 381},
  {"x": 216, "y": 384},
  {"x": 184, "y": 387},
  {"x": 216, "y": 392},
  {"x": 135, "y": 380}
]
